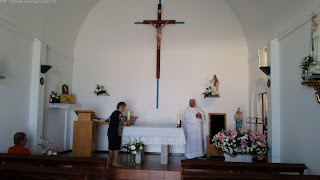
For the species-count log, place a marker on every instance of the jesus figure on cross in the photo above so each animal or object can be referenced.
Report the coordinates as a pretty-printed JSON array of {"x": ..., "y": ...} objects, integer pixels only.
[
  {"x": 159, "y": 32},
  {"x": 158, "y": 24}
]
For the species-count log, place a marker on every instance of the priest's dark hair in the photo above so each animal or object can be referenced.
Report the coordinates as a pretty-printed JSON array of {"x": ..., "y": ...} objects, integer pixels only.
[{"x": 121, "y": 105}]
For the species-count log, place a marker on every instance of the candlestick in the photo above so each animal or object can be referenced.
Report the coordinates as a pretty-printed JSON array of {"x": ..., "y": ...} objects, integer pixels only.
[
  {"x": 128, "y": 116},
  {"x": 178, "y": 119}
]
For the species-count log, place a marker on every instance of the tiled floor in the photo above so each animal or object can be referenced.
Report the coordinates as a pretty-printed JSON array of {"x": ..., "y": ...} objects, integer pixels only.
[{"x": 150, "y": 169}]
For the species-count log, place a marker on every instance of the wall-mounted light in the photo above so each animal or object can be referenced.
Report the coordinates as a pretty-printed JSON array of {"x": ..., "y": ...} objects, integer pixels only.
[
  {"x": 2, "y": 77},
  {"x": 45, "y": 68}
]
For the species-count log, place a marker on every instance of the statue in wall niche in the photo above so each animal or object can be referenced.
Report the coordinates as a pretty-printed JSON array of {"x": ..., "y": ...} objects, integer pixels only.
[
  {"x": 238, "y": 117},
  {"x": 314, "y": 22},
  {"x": 215, "y": 85},
  {"x": 315, "y": 36}
]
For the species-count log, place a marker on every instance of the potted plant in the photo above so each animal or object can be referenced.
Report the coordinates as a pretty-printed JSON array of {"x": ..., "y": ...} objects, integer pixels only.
[{"x": 305, "y": 64}]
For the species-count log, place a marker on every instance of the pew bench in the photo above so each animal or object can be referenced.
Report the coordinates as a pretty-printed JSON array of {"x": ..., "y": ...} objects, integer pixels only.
[
  {"x": 202, "y": 168},
  {"x": 57, "y": 161},
  {"x": 42, "y": 172},
  {"x": 239, "y": 175}
]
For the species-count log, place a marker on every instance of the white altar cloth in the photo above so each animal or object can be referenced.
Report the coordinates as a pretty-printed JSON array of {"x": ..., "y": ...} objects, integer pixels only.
[
  {"x": 163, "y": 136},
  {"x": 154, "y": 135}
]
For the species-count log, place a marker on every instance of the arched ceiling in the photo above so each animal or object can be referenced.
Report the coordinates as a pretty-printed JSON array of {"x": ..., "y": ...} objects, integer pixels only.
[
  {"x": 56, "y": 24},
  {"x": 59, "y": 23},
  {"x": 264, "y": 20}
]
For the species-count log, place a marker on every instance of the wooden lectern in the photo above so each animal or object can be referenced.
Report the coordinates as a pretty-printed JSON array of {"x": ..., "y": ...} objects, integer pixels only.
[{"x": 84, "y": 134}]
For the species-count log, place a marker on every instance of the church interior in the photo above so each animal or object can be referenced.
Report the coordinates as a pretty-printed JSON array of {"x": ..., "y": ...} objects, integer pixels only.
[{"x": 66, "y": 64}]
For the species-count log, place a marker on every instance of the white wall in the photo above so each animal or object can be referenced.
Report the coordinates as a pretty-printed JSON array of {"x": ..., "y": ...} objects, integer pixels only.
[
  {"x": 57, "y": 24},
  {"x": 113, "y": 51},
  {"x": 262, "y": 20},
  {"x": 299, "y": 108},
  {"x": 54, "y": 119},
  {"x": 15, "y": 65},
  {"x": 16, "y": 47}
]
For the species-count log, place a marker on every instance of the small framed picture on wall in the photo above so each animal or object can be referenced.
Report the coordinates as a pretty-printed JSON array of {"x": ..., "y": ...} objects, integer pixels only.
[{"x": 65, "y": 89}]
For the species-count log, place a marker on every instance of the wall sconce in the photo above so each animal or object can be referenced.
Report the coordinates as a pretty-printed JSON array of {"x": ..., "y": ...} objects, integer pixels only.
[
  {"x": 2, "y": 77},
  {"x": 45, "y": 68}
]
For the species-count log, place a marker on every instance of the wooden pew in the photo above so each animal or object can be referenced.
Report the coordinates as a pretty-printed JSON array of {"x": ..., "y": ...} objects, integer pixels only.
[
  {"x": 42, "y": 172},
  {"x": 57, "y": 160},
  {"x": 238, "y": 175},
  {"x": 215, "y": 167}
]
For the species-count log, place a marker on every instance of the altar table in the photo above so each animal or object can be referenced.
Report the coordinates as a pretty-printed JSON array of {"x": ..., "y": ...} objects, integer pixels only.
[{"x": 155, "y": 135}]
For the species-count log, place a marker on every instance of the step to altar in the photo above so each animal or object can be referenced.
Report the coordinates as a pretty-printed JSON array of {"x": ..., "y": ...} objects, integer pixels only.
[{"x": 116, "y": 173}]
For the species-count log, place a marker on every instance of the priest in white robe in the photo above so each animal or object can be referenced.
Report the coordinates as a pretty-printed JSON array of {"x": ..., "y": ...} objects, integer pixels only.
[{"x": 193, "y": 119}]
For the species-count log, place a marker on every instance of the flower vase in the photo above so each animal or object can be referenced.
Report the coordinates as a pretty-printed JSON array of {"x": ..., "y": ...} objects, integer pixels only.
[
  {"x": 238, "y": 158},
  {"x": 132, "y": 159},
  {"x": 305, "y": 75},
  {"x": 140, "y": 156}
]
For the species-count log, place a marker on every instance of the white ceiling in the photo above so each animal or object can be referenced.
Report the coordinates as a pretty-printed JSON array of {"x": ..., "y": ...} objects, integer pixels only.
[
  {"x": 264, "y": 20},
  {"x": 58, "y": 24}
]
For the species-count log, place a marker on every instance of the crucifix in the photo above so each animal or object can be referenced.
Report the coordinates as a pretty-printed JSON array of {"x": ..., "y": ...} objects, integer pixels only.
[{"x": 158, "y": 24}]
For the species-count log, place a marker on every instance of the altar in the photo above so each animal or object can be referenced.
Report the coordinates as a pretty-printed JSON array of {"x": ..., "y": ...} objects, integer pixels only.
[{"x": 159, "y": 135}]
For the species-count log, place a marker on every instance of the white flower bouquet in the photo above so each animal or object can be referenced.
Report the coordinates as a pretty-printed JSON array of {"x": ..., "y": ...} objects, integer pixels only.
[
  {"x": 47, "y": 149},
  {"x": 134, "y": 146},
  {"x": 208, "y": 92},
  {"x": 100, "y": 90},
  {"x": 54, "y": 97},
  {"x": 236, "y": 142}
]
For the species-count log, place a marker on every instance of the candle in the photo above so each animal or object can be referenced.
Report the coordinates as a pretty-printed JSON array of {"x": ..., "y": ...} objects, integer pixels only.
[
  {"x": 259, "y": 57},
  {"x": 128, "y": 116},
  {"x": 178, "y": 119}
]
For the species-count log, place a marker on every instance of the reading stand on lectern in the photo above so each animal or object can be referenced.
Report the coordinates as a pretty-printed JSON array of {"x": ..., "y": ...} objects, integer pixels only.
[{"x": 84, "y": 134}]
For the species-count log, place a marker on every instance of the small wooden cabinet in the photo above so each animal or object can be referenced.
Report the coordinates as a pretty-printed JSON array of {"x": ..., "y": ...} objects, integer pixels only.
[
  {"x": 84, "y": 134},
  {"x": 217, "y": 122}
]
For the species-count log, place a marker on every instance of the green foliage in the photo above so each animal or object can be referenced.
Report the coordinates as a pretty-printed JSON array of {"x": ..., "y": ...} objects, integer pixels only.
[
  {"x": 207, "y": 92},
  {"x": 134, "y": 146},
  {"x": 306, "y": 63},
  {"x": 100, "y": 90}
]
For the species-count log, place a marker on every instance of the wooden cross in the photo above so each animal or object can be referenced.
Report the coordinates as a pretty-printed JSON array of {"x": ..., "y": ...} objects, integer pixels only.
[{"x": 158, "y": 24}]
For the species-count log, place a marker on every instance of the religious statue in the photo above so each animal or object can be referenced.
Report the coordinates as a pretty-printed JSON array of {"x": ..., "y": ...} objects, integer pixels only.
[
  {"x": 314, "y": 22},
  {"x": 159, "y": 32},
  {"x": 238, "y": 117},
  {"x": 315, "y": 36},
  {"x": 65, "y": 89},
  {"x": 215, "y": 85}
]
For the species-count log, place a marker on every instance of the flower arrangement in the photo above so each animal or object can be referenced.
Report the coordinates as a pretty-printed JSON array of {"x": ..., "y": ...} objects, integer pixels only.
[
  {"x": 305, "y": 64},
  {"x": 54, "y": 97},
  {"x": 133, "y": 147},
  {"x": 236, "y": 142},
  {"x": 208, "y": 92},
  {"x": 47, "y": 149},
  {"x": 100, "y": 90}
]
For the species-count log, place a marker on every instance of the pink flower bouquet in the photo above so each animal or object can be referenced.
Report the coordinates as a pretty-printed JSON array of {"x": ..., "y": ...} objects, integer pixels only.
[{"x": 236, "y": 142}]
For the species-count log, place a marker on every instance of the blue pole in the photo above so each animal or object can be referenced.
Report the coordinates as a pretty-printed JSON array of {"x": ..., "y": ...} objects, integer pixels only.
[{"x": 157, "y": 93}]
